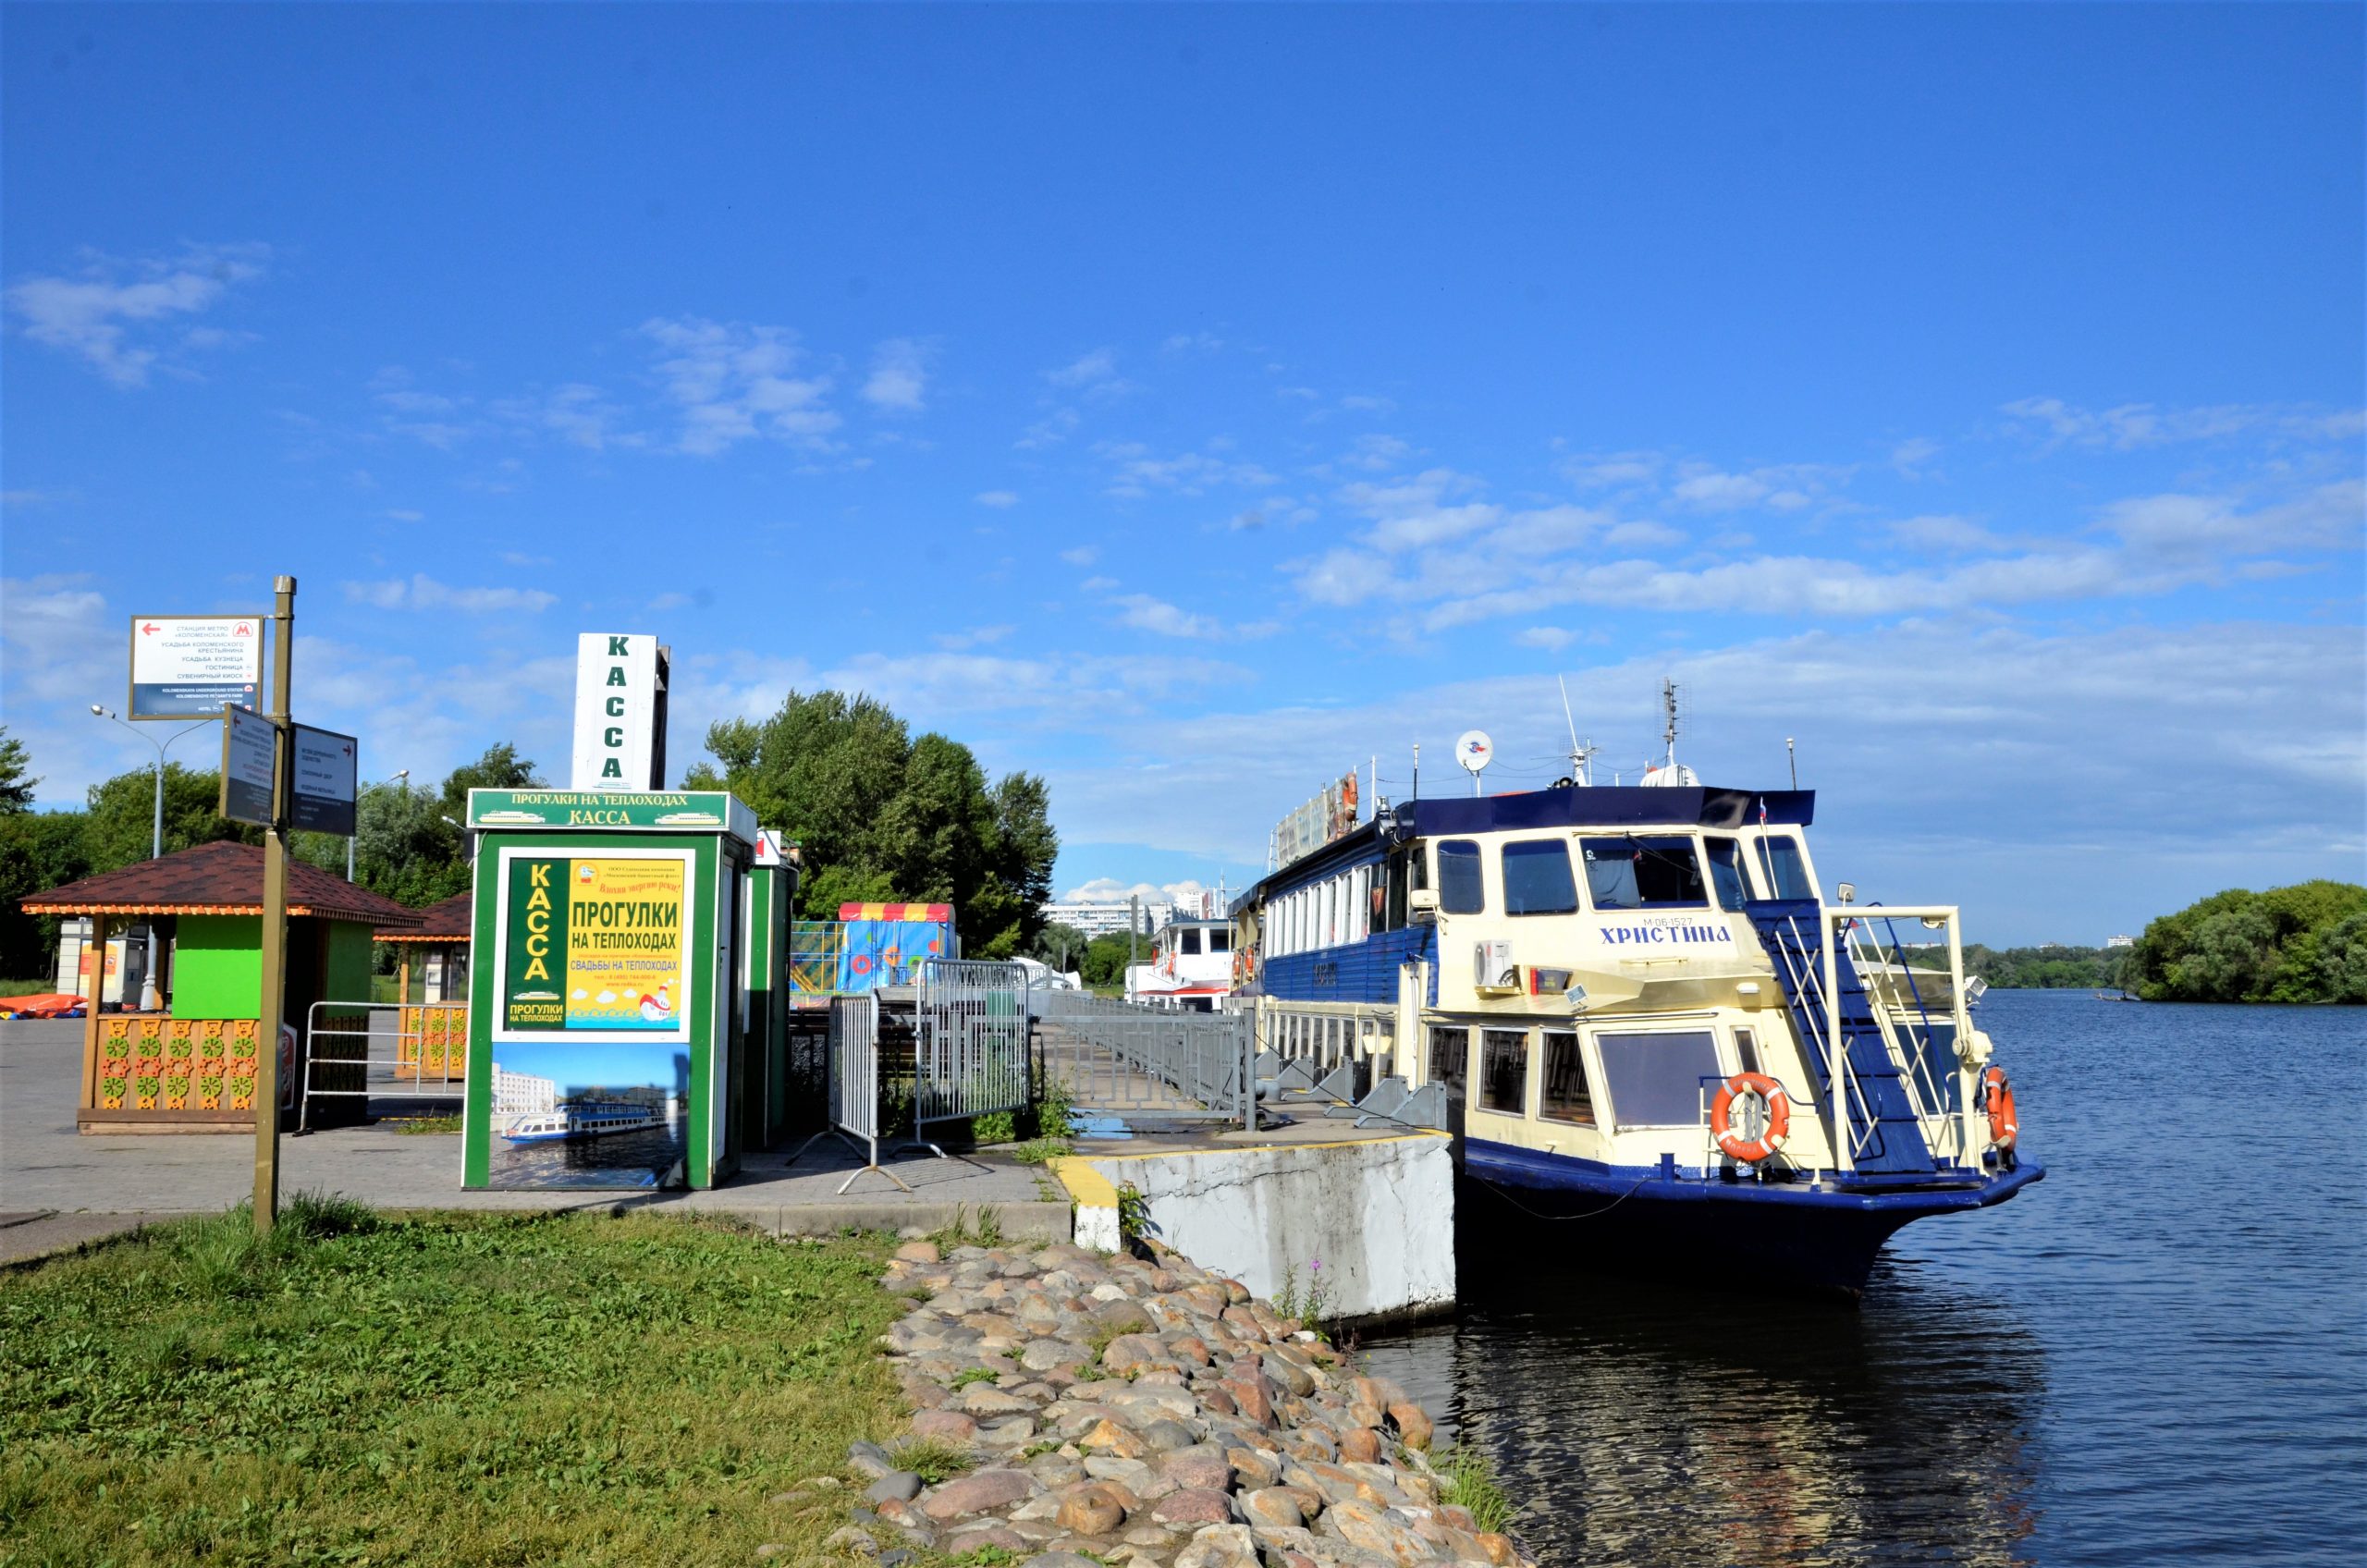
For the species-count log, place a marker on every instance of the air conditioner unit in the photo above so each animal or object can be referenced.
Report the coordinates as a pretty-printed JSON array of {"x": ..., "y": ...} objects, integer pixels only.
[{"x": 1493, "y": 969}]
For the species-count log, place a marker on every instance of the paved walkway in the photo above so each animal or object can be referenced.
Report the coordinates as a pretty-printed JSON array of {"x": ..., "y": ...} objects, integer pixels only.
[{"x": 59, "y": 1188}]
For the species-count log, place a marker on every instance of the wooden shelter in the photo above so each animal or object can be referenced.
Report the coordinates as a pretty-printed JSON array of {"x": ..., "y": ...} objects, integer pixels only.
[
  {"x": 192, "y": 1069},
  {"x": 434, "y": 1035}
]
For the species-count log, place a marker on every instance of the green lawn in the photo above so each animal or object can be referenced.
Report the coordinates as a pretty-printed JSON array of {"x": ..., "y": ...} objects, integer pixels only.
[{"x": 480, "y": 1389}]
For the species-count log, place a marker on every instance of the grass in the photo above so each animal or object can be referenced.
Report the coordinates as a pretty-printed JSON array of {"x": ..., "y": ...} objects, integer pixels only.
[
  {"x": 42, "y": 987},
  {"x": 466, "y": 1389},
  {"x": 1467, "y": 1480},
  {"x": 932, "y": 1459},
  {"x": 415, "y": 1126}
]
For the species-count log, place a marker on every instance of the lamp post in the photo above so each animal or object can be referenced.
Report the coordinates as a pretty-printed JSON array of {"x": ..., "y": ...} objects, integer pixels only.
[
  {"x": 150, "y": 997},
  {"x": 352, "y": 838}
]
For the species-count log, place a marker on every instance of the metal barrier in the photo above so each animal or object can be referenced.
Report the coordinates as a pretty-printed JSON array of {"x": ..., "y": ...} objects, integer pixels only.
[
  {"x": 1321, "y": 1038},
  {"x": 384, "y": 1050},
  {"x": 854, "y": 1086},
  {"x": 970, "y": 1053},
  {"x": 1151, "y": 1064}
]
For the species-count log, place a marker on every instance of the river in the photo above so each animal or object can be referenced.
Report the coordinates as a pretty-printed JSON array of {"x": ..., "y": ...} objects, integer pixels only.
[{"x": 2157, "y": 1354}]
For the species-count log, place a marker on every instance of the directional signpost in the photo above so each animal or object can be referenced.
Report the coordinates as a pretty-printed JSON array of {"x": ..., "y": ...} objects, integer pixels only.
[
  {"x": 250, "y": 752},
  {"x": 194, "y": 666},
  {"x": 322, "y": 793}
]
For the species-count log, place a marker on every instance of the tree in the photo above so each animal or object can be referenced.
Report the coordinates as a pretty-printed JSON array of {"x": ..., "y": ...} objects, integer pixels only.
[
  {"x": 410, "y": 843},
  {"x": 883, "y": 817},
  {"x": 2291, "y": 944},
  {"x": 120, "y": 823},
  {"x": 16, "y": 788},
  {"x": 1106, "y": 960},
  {"x": 1061, "y": 946},
  {"x": 39, "y": 850}
]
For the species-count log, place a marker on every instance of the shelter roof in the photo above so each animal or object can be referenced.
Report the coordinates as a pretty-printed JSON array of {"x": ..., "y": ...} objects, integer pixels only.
[
  {"x": 448, "y": 920},
  {"x": 217, "y": 878}
]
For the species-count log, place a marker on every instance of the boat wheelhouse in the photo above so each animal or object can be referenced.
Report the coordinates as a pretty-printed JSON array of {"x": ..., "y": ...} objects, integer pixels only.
[
  {"x": 1634, "y": 1005},
  {"x": 1190, "y": 966}
]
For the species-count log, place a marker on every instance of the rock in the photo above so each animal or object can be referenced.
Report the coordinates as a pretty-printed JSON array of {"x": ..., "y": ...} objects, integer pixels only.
[
  {"x": 1121, "y": 1317},
  {"x": 1360, "y": 1445},
  {"x": 1202, "y": 1468},
  {"x": 1043, "y": 1355},
  {"x": 970, "y": 1539},
  {"x": 1499, "y": 1548},
  {"x": 1059, "y": 1560},
  {"x": 977, "y": 1493},
  {"x": 897, "y": 1485},
  {"x": 868, "y": 1460},
  {"x": 1132, "y": 1473},
  {"x": 917, "y": 1252},
  {"x": 1275, "y": 1508},
  {"x": 1219, "y": 1546},
  {"x": 898, "y": 1557},
  {"x": 1166, "y": 1435},
  {"x": 1108, "y": 1437},
  {"x": 1192, "y": 1505},
  {"x": 1252, "y": 1469},
  {"x": 1414, "y": 1428},
  {"x": 949, "y": 1425},
  {"x": 851, "y": 1542},
  {"x": 1092, "y": 1509}
]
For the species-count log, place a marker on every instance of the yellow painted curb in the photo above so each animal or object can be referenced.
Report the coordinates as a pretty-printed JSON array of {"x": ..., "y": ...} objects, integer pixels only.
[
  {"x": 1250, "y": 1149},
  {"x": 1087, "y": 1187}
]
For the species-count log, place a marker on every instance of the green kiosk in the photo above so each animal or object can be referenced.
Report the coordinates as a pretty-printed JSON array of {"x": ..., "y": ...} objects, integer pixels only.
[{"x": 620, "y": 939}]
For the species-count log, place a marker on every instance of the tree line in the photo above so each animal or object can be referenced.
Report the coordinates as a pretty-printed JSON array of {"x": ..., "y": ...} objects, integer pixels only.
[{"x": 2306, "y": 943}]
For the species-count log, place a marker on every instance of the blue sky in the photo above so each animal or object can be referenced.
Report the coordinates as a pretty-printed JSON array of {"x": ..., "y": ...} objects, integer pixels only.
[{"x": 1189, "y": 404}]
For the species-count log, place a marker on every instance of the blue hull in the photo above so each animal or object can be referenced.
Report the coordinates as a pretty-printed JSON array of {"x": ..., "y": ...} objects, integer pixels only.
[{"x": 1735, "y": 1233}]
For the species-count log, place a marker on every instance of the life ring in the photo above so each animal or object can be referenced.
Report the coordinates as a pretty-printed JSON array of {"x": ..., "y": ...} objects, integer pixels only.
[
  {"x": 1779, "y": 1117},
  {"x": 1997, "y": 1100}
]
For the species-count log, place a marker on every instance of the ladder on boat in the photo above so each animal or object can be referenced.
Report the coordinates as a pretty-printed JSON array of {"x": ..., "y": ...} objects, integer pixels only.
[{"x": 1886, "y": 1134}]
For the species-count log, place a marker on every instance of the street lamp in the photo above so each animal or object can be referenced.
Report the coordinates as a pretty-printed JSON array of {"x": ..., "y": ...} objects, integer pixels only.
[
  {"x": 403, "y": 776},
  {"x": 149, "y": 998}
]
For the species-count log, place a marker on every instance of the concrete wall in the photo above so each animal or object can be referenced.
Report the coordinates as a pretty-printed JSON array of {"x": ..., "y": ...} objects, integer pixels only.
[
  {"x": 1377, "y": 1213},
  {"x": 217, "y": 966}
]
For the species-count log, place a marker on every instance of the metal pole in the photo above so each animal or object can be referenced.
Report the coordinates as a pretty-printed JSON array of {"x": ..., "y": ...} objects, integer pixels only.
[{"x": 274, "y": 919}]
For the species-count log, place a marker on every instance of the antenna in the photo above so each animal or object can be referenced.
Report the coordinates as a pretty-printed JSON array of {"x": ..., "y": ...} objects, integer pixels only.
[
  {"x": 1794, "y": 758},
  {"x": 1579, "y": 754},
  {"x": 1669, "y": 727}
]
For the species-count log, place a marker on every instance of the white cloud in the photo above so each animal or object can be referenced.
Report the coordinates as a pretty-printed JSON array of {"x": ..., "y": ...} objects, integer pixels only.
[
  {"x": 1084, "y": 555},
  {"x": 1144, "y": 613},
  {"x": 1136, "y": 472},
  {"x": 1049, "y": 431},
  {"x": 421, "y": 592},
  {"x": 1090, "y": 372},
  {"x": 404, "y": 514},
  {"x": 898, "y": 379},
  {"x": 1097, "y": 584},
  {"x": 996, "y": 498},
  {"x": 112, "y": 315},
  {"x": 1359, "y": 404},
  {"x": 1110, "y": 891},
  {"x": 2133, "y": 425},
  {"x": 977, "y": 637},
  {"x": 1550, "y": 637},
  {"x": 1908, "y": 457},
  {"x": 734, "y": 382}
]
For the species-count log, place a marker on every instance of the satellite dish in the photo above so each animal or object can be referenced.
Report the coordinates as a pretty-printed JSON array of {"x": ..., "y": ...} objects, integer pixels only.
[{"x": 1474, "y": 751}]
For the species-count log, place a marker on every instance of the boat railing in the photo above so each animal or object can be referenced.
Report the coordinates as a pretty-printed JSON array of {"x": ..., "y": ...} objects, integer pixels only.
[
  {"x": 1853, "y": 1123},
  {"x": 1321, "y": 1036},
  {"x": 1922, "y": 1014}
]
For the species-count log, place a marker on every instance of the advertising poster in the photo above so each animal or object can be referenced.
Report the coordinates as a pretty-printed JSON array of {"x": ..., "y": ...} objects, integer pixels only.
[{"x": 591, "y": 1070}]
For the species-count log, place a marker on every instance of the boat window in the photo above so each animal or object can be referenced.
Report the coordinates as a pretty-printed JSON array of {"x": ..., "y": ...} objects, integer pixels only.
[
  {"x": 1785, "y": 867},
  {"x": 1640, "y": 873},
  {"x": 1537, "y": 878},
  {"x": 1187, "y": 942},
  {"x": 1459, "y": 888},
  {"x": 1450, "y": 1055},
  {"x": 1504, "y": 1070},
  {"x": 1397, "y": 873},
  {"x": 1564, "y": 1095},
  {"x": 1747, "y": 1050},
  {"x": 1726, "y": 874},
  {"x": 1220, "y": 941},
  {"x": 1656, "y": 1079}
]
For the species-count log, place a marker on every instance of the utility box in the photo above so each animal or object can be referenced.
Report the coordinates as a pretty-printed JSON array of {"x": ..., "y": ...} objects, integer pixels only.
[
  {"x": 609, "y": 1010},
  {"x": 771, "y": 895}
]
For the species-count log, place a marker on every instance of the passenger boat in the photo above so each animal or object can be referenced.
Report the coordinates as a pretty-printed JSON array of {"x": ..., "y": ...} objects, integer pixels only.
[
  {"x": 1190, "y": 966},
  {"x": 1649, "y": 1031},
  {"x": 570, "y": 1122}
]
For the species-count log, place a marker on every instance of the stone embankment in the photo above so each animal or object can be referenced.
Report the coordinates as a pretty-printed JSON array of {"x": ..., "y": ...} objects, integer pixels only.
[{"x": 1122, "y": 1411}]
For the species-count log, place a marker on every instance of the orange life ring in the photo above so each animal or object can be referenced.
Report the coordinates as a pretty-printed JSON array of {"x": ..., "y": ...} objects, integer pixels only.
[
  {"x": 1779, "y": 1117},
  {"x": 1997, "y": 1100}
]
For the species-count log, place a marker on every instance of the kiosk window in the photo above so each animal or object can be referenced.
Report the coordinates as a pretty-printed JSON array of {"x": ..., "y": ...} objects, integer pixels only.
[
  {"x": 1726, "y": 874},
  {"x": 1655, "y": 1080},
  {"x": 1786, "y": 868},
  {"x": 1639, "y": 873},
  {"x": 1450, "y": 1056},
  {"x": 1537, "y": 878},
  {"x": 1460, "y": 891},
  {"x": 1564, "y": 1095},
  {"x": 1503, "y": 1082}
]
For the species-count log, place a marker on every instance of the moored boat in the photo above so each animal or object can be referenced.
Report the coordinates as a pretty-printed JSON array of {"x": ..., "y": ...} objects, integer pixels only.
[{"x": 566, "y": 1122}]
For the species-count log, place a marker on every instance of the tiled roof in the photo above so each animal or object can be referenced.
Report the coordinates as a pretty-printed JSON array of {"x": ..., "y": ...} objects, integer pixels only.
[
  {"x": 218, "y": 878},
  {"x": 449, "y": 921}
]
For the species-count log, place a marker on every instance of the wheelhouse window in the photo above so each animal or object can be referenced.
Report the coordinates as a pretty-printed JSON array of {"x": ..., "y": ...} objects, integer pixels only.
[
  {"x": 1643, "y": 873},
  {"x": 1460, "y": 889},
  {"x": 1727, "y": 878},
  {"x": 1450, "y": 1056},
  {"x": 1655, "y": 1079},
  {"x": 1785, "y": 867},
  {"x": 1564, "y": 1097},
  {"x": 1220, "y": 941},
  {"x": 1537, "y": 878},
  {"x": 1504, "y": 1070},
  {"x": 1188, "y": 942},
  {"x": 1747, "y": 1050}
]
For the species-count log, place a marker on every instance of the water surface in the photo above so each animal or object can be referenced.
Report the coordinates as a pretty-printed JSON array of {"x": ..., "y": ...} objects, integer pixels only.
[{"x": 2159, "y": 1353}]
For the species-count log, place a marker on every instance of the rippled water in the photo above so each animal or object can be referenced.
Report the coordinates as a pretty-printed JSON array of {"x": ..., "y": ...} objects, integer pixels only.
[
  {"x": 615, "y": 1159},
  {"x": 2157, "y": 1354}
]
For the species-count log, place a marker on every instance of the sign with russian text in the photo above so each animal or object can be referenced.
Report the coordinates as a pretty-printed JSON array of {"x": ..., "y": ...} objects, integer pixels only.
[
  {"x": 194, "y": 666},
  {"x": 247, "y": 741},
  {"x": 594, "y": 945},
  {"x": 619, "y": 682},
  {"x": 321, "y": 782},
  {"x": 684, "y": 810}
]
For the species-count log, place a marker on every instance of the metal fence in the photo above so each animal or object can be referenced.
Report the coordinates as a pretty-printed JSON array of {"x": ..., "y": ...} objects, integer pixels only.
[
  {"x": 1147, "y": 1063},
  {"x": 1322, "y": 1039},
  {"x": 970, "y": 1054},
  {"x": 360, "y": 1051},
  {"x": 854, "y": 1084}
]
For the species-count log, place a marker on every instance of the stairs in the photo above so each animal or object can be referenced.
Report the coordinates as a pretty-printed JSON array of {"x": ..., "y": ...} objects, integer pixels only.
[{"x": 1885, "y": 1136}]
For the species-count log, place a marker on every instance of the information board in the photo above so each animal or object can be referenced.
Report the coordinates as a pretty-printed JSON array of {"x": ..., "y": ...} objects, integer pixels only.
[
  {"x": 194, "y": 666},
  {"x": 321, "y": 791},
  {"x": 248, "y": 740}
]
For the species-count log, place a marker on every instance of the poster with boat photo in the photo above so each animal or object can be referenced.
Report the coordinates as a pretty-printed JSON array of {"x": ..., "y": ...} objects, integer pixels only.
[{"x": 591, "y": 1072}]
